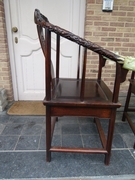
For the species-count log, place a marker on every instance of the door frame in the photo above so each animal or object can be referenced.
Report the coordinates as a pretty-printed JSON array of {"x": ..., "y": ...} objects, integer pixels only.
[{"x": 11, "y": 47}]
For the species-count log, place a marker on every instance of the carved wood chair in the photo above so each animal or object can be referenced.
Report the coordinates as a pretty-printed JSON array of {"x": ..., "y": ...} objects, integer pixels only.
[
  {"x": 127, "y": 108},
  {"x": 79, "y": 96}
]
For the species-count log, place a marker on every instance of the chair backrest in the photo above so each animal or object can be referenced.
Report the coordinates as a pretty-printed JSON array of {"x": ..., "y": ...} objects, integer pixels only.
[{"x": 45, "y": 28}]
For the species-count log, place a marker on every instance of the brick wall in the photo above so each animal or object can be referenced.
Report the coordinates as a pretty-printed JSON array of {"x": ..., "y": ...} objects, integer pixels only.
[
  {"x": 113, "y": 30},
  {"x": 5, "y": 74}
]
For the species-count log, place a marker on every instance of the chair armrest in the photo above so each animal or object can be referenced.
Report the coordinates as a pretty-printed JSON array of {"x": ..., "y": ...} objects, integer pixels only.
[{"x": 43, "y": 21}]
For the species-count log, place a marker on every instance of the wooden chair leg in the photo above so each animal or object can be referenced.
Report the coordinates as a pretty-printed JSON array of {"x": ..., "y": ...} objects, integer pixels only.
[
  {"x": 107, "y": 159},
  {"x": 110, "y": 137},
  {"x": 127, "y": 103},
  {"x": 48, "y": 135}
]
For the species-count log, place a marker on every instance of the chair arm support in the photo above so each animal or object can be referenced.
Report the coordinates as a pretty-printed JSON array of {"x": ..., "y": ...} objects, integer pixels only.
[{"x": 120, "y": 77}]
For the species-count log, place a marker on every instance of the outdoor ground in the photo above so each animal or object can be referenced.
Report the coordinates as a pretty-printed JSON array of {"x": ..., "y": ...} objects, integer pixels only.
[{"x": 22, "y": 149}]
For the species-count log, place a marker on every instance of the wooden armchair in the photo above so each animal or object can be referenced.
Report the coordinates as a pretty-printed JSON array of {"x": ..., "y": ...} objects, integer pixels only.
[
  {"x": 79, "y": 96},
  {"x": 127, "y": 108}
]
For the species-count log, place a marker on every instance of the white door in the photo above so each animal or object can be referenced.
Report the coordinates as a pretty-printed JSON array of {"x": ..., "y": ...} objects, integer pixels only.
[{"x": 27, "y": 61}]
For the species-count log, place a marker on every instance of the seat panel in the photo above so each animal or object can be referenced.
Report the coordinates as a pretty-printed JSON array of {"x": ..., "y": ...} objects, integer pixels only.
[
  {"x": 67, "y": 92},
  {"x": 72, "y": 89}
]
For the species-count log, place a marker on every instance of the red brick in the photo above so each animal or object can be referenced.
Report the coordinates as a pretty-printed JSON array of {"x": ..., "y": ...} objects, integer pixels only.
[
  {"x": 88, "y": 23},
  {"x": 116, "y": 34},
  {"x": 91, "y": 75},
  {"x": 131, "y": 3},
  {"x": 93, "y": 57},
  {"x": 123, "y": 29},
  {"x": 107, "y": 39},
  {"x": 108, "y": 79},
  {"x": 90, "y": 12},
  {"x": 118, "y": 13},
  {"x": 101, "y": 23},
  {"x": 100, "y": 33},
  {"x": 130, "y": 14},
  {"x": 129, "y": 24},
  {"x": 129, "y": 35},
  {"x": 108, "y": 71},
  {"x": 88, "y": 33},
  {"x": 92, "y": 66},
  {"x": 108, "y": 29},
  {"x": 91, "y": 1},
  {"x": 121, "y": 2},
  {"x": 131, "y": 49},
  {"x": 129, "y": 44},
  {"x": 94, "y": 70},
  {"x": 106, "y": 75},
  {"x": 93, "y": 18},
  {"x": 125, "y": 8},
  {"x": 117, "y": 24},
  {"x": 99, "y": 1},
  {"x": 94, "y": 61},
  {"x": 109, "y": 18},
  {"x": 122, "y": 39},
  {"x": 115, "y": 7},
  {"x": 125, "y": 19},
  {"x": 114, "y": 44},
  {"x": 120, "y": 49},
  {"x": 127, "y": 54},
  {"x": 110, "y": 48}
]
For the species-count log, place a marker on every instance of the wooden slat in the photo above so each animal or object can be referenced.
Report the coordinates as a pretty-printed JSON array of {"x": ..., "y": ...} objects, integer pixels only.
[
  {"x": 101, "y": 132},
  {"x": 78, "y": 150},
  {"x": 53, "y": 121},
  {"x": 48, "y": 134},
  {"x": 130, "y": 122},
  {"x": 83, "y": 75},
  {"x": 131, "y": 109},
  {"x": 80, "y": 111},
  {"x": 57, "y": 55},
  {"x": 78, "y": 70},
  {"x": 48, "y": 63}
]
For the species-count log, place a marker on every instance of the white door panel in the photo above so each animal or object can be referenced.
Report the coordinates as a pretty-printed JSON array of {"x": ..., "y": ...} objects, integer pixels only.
[{"x": 28, "y": 57}]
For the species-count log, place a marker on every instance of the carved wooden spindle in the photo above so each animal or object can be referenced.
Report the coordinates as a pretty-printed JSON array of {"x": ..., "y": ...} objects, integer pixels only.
[
  {"x": 83, "y": 75},
  {"x": 78, "y": 68},
  {"x": 57, "y": 55},
  {"x": 48, "y": 63}
]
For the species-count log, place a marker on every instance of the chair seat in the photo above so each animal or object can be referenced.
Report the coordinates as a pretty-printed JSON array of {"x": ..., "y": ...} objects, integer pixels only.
[{"x": 68, "y": 91}]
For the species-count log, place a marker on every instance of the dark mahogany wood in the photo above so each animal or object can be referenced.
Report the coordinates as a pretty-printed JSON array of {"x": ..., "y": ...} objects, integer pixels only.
[
  {"x": 78, "y": 70},
  {"x": 57, "y": 56},
  {"x": 131, "y": 90},
  {"x": 79, "y": 96}
]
